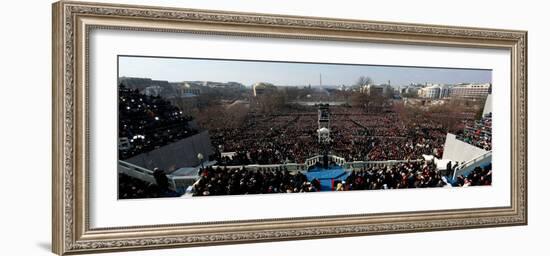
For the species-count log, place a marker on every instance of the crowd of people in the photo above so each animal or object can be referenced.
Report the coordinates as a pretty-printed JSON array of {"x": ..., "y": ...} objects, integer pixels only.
[
  {"x": 291, "y": 136},
  {"x": 132, "y": 188},
  {"x": 478, "y": 132},
  {"x": 404, "y": 175},
  {"x": 224, "y": 181},
  {"x": 148, "y": 122},
  {"x": 478, "y": 177},
  {"x": 268, "y": 139},
  {"x": 241, "y": 181},
  {"x": 417, "y": 174},
  {"x": 385, "y": 136},
  {"x": 411, "y": 175}
]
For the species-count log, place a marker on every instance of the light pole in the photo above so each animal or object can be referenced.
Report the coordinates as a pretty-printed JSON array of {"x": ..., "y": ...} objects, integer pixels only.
[{"x": 201, "y": 157}]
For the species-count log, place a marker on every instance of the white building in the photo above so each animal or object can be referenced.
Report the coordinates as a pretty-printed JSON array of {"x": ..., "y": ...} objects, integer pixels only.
[
  {"x": 471, "y": 90},
  {"x": 434, "y": 91},
  {"x": 430, "y": 92},
  {"x": 185, "y": 89},
  {"x": 375, "y": 90},
  {"x": 410, "y": 89},
  {"x": 262, "y": 88},
  {"x": 153, "y": 90}
]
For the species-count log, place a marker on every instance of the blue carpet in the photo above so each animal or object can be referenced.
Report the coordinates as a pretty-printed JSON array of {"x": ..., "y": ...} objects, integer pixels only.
[{"x": 325, "y": 176}]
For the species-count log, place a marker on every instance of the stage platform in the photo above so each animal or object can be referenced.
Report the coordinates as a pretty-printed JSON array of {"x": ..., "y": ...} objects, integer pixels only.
[{"x": 326, "y": 176}]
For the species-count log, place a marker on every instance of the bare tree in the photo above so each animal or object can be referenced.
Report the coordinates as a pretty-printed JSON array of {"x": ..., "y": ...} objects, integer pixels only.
[{"x": 363, "y": 80}]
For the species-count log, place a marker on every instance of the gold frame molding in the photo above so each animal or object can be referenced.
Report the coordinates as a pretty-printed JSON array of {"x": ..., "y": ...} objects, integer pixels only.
[{"x": 72, "y": 22}]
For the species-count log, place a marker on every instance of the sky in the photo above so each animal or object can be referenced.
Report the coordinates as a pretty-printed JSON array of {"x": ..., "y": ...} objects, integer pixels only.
[{"x": 289, "y": 73}]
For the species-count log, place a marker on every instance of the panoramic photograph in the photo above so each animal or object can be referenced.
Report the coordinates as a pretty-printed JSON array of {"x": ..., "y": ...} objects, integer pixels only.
[{"x": 191, "y": 127}]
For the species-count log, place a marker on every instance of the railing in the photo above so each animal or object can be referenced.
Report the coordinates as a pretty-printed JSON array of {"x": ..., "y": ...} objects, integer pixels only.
[
  {"x": 475, "y": 160},
  {"x": 291, "y": 167},
  {"x": 295, "y": 167},
  {"x": 313, "y": 160},
  {"x": 465, "y": 167},
  {"x": 180, "y": 183},
  {"x": 175, "y": 183},
  {"x": 318, "y": 158},
  {"x": 337, "y": 159},
  {"x": 137, "y": 172},
  {"x": 368, "y": 164}
]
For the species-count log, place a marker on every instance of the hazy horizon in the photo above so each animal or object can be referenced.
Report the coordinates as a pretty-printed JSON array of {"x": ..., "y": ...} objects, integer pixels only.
[{"x": 290, "y": 73}]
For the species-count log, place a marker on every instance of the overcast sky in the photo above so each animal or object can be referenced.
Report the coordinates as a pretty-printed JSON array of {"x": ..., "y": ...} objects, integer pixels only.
[{"x": 285, "y": 73}]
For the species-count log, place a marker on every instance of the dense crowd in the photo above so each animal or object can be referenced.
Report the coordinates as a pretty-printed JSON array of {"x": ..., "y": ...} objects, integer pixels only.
[
  {"x": 403, "y": 175},
  {"x": 224, "y": 181},
  {"x": 132, "y": 188},
  {"x": 478, "y": 132},
  {"x": 291, "y": 136},
  {"x": 241, "y": 181},
  {"x": 422, "y": 174},
  {"x": 384, "y": 136},
  {"x": 271, "y": 139},
  {"x": 288, "y": 135},
  {"x": 148, "y": 122},
  {"x": 478, "y": 177}
]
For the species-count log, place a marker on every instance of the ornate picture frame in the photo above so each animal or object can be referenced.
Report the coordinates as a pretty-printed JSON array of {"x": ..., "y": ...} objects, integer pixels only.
[{"x": 72, "y": 23}]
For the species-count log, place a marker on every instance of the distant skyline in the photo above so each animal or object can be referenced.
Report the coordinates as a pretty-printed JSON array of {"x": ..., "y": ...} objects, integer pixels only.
[{"x": 290, "y": 73}]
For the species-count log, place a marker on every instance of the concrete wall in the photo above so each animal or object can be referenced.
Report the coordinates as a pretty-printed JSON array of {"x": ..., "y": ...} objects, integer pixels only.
[
  {"x": 488, "y": 108},
  {"x": 179, "y": 154},
  {"x": 460, "y": 151}
]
